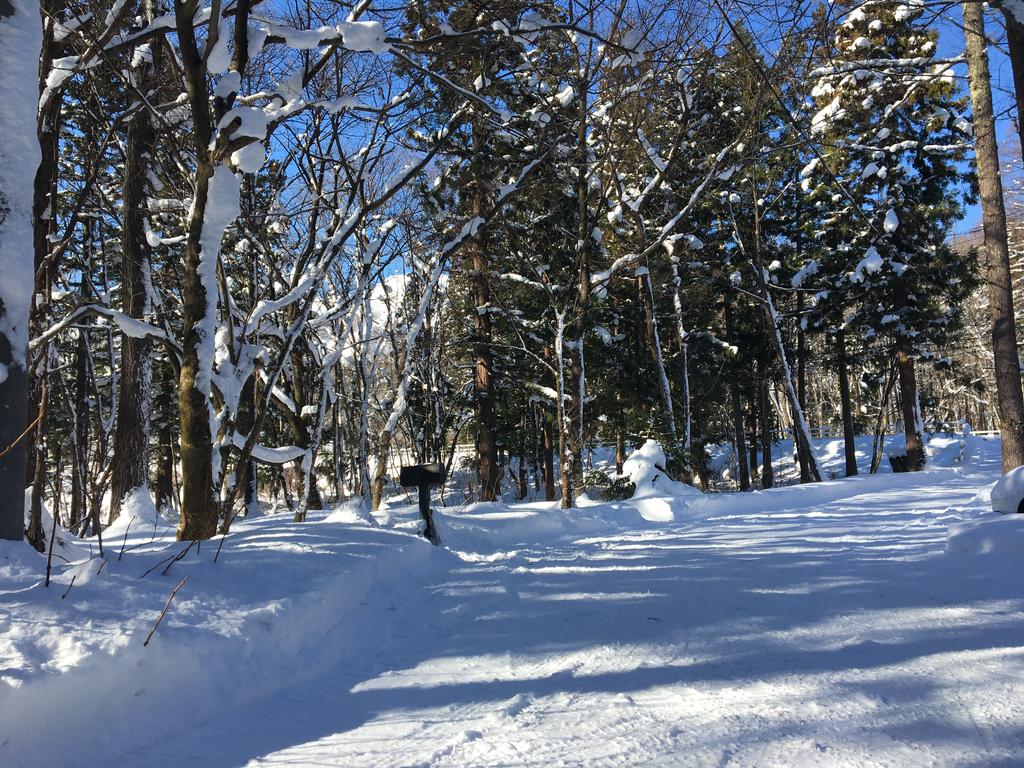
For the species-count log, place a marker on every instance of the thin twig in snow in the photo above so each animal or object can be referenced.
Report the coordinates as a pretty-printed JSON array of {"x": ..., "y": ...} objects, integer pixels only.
[
  {"x": 125, "y": 539},
  {"x": 164, "y": 611}
]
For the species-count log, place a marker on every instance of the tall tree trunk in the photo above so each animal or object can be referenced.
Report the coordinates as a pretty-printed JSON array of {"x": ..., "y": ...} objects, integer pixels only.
[
  {"x": 565, "y": 456},
  {"x": 484, "y": 377},
  {"x": 912, "y": 425},
  {"x": 882, "y": 420},
  {"x": 524, "y": 488},
  {"x": 801, "y": 432},
  {"x": 752, "y": 433},
  {"x": 993, "y": 213},
  {"x": 654, "y": 345},
  {"x": 767, "y": 472},
  {"x": 131, "y": 436},
  {"x": 164, "y": 486},
  {"x": 44, "y": 214},
  {"x": 801, "y": 352},
  {"x": 684, "y": 351},
  {"x": 199, "y": 511},
  {"x": 584, "y": 248},
  {"x": 483, "y": 381},
  {"x": 849, "y": 446},
  {"x": 1015, "y": 50},
  {"x": 700, "y": 455},
  {"x": 199, "y": 506},
  {"x": 19, "y": 33},
  {"x": 80, "y": 432},
  {"x": 549, "y": 459},
  {"x": 736, "y": 405},
  {"x": 620, "y": 449},
  {"x": 244, "y": 424},
  {"x": 379, "y": 475},
  {"x": 739, "y": 439}
]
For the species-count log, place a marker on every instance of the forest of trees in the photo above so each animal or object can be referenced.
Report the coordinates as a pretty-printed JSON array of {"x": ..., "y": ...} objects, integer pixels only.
[{"x": 271, "y": 250}]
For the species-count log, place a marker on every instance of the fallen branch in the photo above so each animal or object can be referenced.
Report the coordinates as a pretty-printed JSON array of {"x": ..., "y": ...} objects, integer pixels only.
[
  {"x": 164, "y": 611},
  {"x": 125, "y": 539},
  {"x": 70, "y": 585},
  {"x": 170, "y": 560},
  {"x": 21, "y": 437}
]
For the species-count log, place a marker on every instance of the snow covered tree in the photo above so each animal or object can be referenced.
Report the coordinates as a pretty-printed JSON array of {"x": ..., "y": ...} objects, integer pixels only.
[{"x": 890, "y": 108}]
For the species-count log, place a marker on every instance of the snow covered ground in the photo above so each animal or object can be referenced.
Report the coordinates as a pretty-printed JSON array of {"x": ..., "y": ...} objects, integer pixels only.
[{"x": 876, "y": 621}]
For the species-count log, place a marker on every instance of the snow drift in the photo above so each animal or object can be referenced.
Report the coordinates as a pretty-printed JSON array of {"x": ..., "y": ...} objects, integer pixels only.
[
  {"x": 993, "y": 534},
  {"x": 237, "y": 630},
  {"x": 658, "y": 497}
]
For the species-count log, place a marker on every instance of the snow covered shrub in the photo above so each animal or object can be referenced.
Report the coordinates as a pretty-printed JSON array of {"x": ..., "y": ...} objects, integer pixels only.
[{"x": 617, "y": 488}]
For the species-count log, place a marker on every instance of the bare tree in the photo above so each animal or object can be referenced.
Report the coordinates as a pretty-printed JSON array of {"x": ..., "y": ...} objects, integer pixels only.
[{"x": 986, "y": 159}]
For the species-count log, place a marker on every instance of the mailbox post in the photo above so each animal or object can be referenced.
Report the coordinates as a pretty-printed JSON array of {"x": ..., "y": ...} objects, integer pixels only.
[{"x": 424, "y": 476}]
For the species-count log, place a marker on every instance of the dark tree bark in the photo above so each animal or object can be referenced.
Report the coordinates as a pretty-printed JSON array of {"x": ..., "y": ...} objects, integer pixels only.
[
  {"x": 164, "y": 486},
  {"x": 752, "y": 433},
  {"x": 620, "y": 450},
  {"x": 80, "y": 446},
  {"x": 739, "y": 440},
  {"x": 801, "y": 431},
  {"x": 767, "y": 472},
  {"x": 801, "y": 352},
  {"x": 131, "y": 435},
  {"x": 248, "y": 400},
  {"x": 908, "y": 405},
  {"x": 849, "y": 447},
  {"x": 993, "y": 213},
  {"x": 302, "y": 427},
  {"x": 1015, "y": 50},
  {"x": 43, "y": 209},
  {"x": 15, "y": 235},
  {"x": 549, "y": 459},
  {"x": 584, "y": 245},
  {"x": 483, "y": 380},
  {"x": 198, "y": 508},
  {"x": 524, "y": 487},
  {"x": 13, "y": 421}
]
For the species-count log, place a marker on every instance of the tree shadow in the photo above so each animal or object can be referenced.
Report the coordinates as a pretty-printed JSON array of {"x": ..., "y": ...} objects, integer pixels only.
[{"x": 857, "y": 600}]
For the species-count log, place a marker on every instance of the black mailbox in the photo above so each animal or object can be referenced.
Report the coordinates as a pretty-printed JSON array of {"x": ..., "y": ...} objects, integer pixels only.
[
  {"x": 421, "y": 474},
  {"x": 424, "y": 476}
]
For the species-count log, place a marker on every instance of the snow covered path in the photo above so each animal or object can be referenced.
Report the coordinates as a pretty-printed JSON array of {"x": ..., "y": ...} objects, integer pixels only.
[{"x": 834, "y": 634}]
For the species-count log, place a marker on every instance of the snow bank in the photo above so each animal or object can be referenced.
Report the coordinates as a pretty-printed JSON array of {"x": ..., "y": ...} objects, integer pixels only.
[
  {"x": 65, "y": 546},
  {"x": 285, "y": 601},
  {"x": 991, "y": 534},
  {"x": 139, "y": 515},
  {"x": 490, "y": 527},
  {"x": 351, "y": 512},
  {"x": 1008, "y": 492},
  {"x": 658, "y": 497},
  {"x": 945, "y": 451}
]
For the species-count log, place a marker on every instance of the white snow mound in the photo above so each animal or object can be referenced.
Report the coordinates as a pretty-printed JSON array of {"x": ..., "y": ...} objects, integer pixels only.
[
  {"x": 138, "y": 515},
  {"x": 658, "y": 497},
  {"x": 352, "y": 512},
  {"x": 993, "y": 534},
  {"x": 1008, "y": 492}
]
